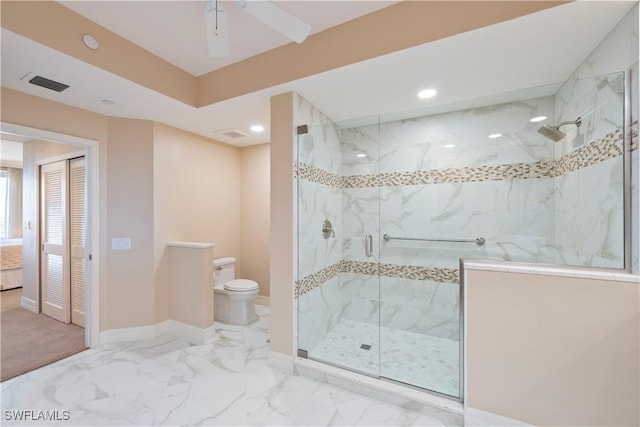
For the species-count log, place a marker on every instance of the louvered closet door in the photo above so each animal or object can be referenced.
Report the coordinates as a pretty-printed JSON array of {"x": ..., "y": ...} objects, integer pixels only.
[
  {"x": 78, "y": 238},
  {"x": 55, "y": 248}
]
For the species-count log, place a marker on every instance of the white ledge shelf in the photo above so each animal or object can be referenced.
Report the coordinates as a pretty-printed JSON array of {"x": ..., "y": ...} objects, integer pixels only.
[
  {"x": 192, "y": 245},
  {"x": 551, "y": 270}
]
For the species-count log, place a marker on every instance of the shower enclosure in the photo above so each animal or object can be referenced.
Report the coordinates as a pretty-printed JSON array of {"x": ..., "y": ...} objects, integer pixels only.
[{"x": 388, "y": 208}]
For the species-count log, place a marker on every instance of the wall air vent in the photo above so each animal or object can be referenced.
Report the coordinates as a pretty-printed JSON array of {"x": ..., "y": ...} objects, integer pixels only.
[
  {"x": 49, "y": 84},
  {"x": 232, "y": 133}
]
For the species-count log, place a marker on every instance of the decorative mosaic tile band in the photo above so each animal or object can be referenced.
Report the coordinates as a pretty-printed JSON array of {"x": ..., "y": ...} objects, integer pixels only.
[
  {"x": 412, "y": 272},
  {"x": 320, "y": 176},
  {"x": 316, "y": 279},
  {"x": 634, "y": 136},
  {"x": 597, "y": 151}
]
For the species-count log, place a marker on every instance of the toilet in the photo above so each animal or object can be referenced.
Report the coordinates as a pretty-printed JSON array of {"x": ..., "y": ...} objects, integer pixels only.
[{"x": 233, "y": 298}]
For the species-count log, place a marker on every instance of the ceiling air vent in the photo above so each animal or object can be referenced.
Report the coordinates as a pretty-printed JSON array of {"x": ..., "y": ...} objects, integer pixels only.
[
  {"x": 49, "y": 84},
  {"x": 232, "y": 133}
]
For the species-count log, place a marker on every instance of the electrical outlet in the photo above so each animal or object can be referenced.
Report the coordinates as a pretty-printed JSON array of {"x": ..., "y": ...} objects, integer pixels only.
[{"x": 121, "y": 243}]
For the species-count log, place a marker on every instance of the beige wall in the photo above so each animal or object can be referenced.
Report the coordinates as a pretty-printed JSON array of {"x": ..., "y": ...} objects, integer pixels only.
[
  {"x": 551, "y": 350},
  {"x": 158, "y": 184},
  {"x": 191, "y": 285},
  {"x": 282, "y": 239},
  {"x": 33, "y": 152},
  {"x": 196, "y": 198},
  {"x": 254, "y": 215},
  {"x": 130, "y": 195}
]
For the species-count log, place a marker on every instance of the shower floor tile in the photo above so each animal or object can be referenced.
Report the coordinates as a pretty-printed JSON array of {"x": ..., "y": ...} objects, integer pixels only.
[{"x": 420, "y": 360}]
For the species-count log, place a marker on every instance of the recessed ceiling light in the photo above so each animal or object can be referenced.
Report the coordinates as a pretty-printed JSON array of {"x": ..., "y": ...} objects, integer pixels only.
[
  {"x": 257, "y": 128},
  {"x": 449, "y": 145},
  {"x": 538, "y": 119},
  {"x": 90, "y": 42},
  {"x": 361, "y": 155},
  {"x": 107, "y": 102},
  {"x": 427, "y": 93},
  {"x": 495, "y": 135}
]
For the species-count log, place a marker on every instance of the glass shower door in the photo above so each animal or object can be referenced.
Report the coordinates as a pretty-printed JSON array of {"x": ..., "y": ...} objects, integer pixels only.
[
  {"x": 338, "y": 283},
  {"x": 419, "y": 286},
  {"x": 382, "y": 306}
]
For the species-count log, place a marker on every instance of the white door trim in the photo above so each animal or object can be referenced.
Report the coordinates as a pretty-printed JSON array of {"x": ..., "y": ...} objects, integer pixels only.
[
  {"x": 92, "y": 152},
  {"x": 66, "y": 156}
]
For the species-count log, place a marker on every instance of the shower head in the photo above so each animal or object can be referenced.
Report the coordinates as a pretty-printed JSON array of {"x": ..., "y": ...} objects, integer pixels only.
[
  {"x": 554, "y": 133},
  {"x": 551, "y": 132}
]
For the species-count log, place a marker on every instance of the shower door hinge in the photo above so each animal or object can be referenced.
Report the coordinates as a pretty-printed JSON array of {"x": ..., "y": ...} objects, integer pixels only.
[
  {"x": 302, "y": 129},
  {"x": 302, "y": 353}
]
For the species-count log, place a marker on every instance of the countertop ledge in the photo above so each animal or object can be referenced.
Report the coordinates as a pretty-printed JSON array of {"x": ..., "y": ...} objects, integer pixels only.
[
  {"x": 192, "y": 245},
  {"x": 548, "y": 270}
]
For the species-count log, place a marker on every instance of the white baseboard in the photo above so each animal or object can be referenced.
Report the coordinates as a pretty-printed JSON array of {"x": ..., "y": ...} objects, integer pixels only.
[
  {"x": 29, "y": 304},
  {"x": 280, "y": 361},
  {"x": 191, "y": 333},
  {"x": 262, "y": 300},
  {"x": 477, "y": 417},
  {"x": 131, "y": 334}
]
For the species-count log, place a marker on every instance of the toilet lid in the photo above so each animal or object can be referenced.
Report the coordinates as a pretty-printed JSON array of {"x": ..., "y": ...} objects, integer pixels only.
[{"x": 241, "y": 285}]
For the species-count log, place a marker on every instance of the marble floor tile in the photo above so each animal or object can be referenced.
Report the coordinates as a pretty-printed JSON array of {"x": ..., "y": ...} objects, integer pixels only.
[{"x": 167, "y": 381}]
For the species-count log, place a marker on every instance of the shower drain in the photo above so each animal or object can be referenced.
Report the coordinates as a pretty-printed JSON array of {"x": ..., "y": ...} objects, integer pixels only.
[{"x": 365, "y": 346}]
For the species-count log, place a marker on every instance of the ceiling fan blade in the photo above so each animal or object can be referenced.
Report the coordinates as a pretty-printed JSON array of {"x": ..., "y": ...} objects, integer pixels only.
[
  {"x": 277, "y": 18},
  {"x": 216, "y": 28}
]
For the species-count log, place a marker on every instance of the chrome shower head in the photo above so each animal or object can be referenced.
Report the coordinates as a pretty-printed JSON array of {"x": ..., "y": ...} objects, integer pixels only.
[
  {"x": 554, "y": 133},
  {"x": 551, "y": 132}
]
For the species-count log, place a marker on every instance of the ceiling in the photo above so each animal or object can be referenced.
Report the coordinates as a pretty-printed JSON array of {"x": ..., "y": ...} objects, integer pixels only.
[
  {"x": 185, "y": 44},
  {"x": 492, "y": 64}
]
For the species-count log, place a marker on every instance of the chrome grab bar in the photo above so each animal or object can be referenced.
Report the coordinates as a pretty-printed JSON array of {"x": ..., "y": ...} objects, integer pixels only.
[
  {"x": 368, "y": 245},
  {"x": 478, "y": 241}
]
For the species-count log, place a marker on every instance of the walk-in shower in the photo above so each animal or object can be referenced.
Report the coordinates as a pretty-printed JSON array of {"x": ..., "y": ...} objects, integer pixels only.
[{"x": 386, "y": 210}]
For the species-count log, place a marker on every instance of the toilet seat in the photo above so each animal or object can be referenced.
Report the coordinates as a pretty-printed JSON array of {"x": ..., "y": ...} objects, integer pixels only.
[{"x": 241, "y": 285}]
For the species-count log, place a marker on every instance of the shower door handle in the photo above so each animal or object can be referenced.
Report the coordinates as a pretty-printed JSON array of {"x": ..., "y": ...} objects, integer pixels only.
[{"x": 368, "y": 245}]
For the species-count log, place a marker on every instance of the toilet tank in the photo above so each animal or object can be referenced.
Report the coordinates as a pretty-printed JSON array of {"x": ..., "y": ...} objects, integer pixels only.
[{"x": 223, "y": 270}]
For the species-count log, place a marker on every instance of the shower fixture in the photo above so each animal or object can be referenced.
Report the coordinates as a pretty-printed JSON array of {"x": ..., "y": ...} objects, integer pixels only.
[{"x": 554, "y": 133}]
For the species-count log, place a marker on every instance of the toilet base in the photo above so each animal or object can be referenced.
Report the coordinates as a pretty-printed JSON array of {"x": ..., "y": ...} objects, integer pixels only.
[{"x": 234, "y": 308}]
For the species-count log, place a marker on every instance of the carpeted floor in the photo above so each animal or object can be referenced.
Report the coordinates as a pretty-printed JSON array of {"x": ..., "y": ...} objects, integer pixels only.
[
  {"x": 29, "y": 341},
  {"x": 10, "y": 299}
]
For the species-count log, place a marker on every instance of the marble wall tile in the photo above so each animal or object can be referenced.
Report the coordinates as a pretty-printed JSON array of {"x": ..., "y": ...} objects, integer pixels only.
[
  {"x": 598, "y": 101},
  {"x": 319, "y": 199},
  {"x": 361, "y": 295},
  {"x": 317, "y": 203},
  {"x": 589, "y": 214},
  {"x": 616, "y": 52},
  {"x": 319, "y": 311},
  {"x": 424, "y": 307},
  {"x": 360, "y": 218},
  {"x": 595, "y": 91},
  {"x": 321, "y": 146}
]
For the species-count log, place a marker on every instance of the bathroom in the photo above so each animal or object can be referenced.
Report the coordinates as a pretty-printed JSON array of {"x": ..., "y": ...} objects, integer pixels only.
[{"x": 326, "y": 230}]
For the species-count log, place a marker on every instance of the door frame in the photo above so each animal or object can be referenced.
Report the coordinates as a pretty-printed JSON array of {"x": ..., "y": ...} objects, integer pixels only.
[{"x": 90, "y": 149}]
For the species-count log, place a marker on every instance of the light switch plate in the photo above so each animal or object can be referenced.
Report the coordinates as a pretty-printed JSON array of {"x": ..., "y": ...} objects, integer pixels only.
[{"x": 121, "y": 243}]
